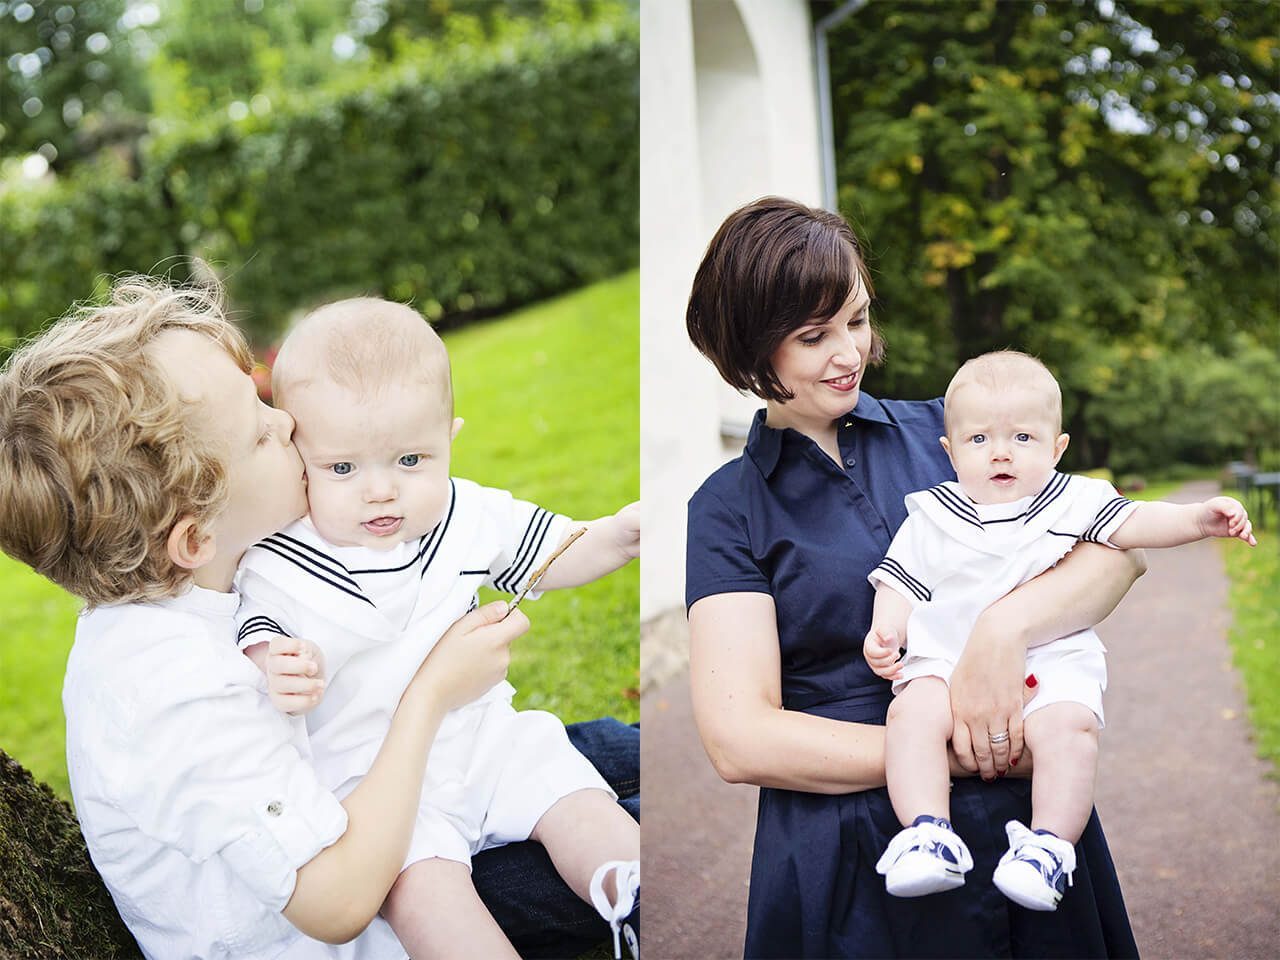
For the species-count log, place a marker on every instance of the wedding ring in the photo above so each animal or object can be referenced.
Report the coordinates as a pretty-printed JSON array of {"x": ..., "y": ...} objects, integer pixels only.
[{"x": 999, "y": 737}]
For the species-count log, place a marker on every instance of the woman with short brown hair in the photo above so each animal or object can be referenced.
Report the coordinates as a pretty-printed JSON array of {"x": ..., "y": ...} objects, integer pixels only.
[{"x": 780, "y": 543}]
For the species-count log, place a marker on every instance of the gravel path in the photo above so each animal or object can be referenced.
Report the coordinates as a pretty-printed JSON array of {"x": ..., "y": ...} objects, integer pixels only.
[{"x": 1193, "y": 821}]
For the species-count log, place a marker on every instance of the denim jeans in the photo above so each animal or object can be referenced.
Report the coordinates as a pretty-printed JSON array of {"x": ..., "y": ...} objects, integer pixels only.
[{"x": 518, "y": 883}]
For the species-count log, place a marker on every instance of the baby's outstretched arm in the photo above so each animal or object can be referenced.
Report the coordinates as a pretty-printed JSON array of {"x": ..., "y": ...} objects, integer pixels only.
[
  {"x": 609, "y": 543},
  {"x": 888, "y": 633},
  {"x": 1159, "y": 524},
  {"x": 295, "y": 672}
]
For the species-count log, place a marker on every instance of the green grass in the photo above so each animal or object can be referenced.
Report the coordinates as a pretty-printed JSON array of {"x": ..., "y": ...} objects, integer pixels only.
[
  {"x": 1255, "y": 633},
  {"x": 551, "y": 400},
  {"x": 551, "y": 397},
  {"x": 1255, "y": 628},
  {"x": 37, "y": 620}
]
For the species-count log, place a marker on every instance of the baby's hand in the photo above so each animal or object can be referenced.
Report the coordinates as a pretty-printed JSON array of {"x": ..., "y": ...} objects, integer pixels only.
[
  {"x": 881, "y": 648},
  {"x": 295, "y": 674},
  {"x": 1225, "y": 517},
  {"x": 628, "y": 530}
]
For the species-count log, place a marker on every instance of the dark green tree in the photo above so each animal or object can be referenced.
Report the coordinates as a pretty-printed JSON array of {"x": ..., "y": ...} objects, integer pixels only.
[{"x": 1091, "y": 181}]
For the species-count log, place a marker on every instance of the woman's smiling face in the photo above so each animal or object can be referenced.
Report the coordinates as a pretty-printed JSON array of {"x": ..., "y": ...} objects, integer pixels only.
[{"x": 821, "y": 364}]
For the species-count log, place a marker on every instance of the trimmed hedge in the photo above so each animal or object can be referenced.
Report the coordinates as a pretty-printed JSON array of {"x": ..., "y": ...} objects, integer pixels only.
[{"x": 469, "y": 181}]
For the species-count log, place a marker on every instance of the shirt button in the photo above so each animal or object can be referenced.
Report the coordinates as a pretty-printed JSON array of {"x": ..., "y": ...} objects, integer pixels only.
[
  {"x": 849, "y": 461},
  {"x": 275, "y": 808}
]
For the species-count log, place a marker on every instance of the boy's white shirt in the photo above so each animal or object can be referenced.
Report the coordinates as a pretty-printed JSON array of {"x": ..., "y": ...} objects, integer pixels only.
[
  {"x": 294, "y": 583},
  {"x": 195, "y": 796},
  {"x": 953, "y": 558}
]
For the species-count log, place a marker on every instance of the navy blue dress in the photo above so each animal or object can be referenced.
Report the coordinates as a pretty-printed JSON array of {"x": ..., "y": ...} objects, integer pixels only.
[{"x": 786, "y": 520}]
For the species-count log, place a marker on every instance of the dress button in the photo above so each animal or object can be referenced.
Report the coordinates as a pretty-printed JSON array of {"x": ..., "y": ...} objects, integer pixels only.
[
  {"x": 275, "y": 808},
  {"x": 849, "y": 461}
]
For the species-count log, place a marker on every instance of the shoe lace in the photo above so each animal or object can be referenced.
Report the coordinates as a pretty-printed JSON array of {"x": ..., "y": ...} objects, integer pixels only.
[
  {"x": 926, "y": 835},
  {"x": 626, "y": 880},
  {"x": 1045, "y": 859}
]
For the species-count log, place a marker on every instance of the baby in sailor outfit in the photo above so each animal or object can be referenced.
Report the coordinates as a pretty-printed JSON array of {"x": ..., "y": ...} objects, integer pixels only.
[
  {"x": 963, "y": 546},
  {"x": 341, "y": 607}
]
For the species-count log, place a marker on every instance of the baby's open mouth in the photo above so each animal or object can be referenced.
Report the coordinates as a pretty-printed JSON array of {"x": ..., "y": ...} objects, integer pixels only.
[
  {"x": 381, "y": 526},
  {"x": 1004, "y": 478}
]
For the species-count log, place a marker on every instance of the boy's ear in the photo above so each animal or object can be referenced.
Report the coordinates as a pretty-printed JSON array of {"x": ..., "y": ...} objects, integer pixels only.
[
  {"x": 1060, "y": 447},
  {"x": 946, "y": 445},
  {"x": 457, "y": 426},
  {"x": 188, "y": 548}
]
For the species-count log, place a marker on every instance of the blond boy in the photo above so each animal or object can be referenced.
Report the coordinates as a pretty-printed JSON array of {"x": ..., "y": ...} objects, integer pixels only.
[
  {"x": 964, "y": 545},
  {"x": 391, "y": 552},
  {"x": 136, "y": 466}
]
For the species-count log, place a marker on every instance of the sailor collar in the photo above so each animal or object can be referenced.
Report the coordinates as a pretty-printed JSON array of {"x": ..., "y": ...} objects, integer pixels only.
[{"x": 993, "y": 527}]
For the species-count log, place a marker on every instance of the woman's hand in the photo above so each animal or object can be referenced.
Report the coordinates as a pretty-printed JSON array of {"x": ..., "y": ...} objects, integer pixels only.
[
  {"x": 987, "y": 685},
  {"x": 471, "y": 657},
  {"x": 988, "y": 689}
]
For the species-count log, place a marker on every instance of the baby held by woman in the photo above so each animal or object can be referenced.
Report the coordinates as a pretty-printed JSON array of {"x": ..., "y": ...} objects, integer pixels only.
[{"x": 1009, "y": 517}]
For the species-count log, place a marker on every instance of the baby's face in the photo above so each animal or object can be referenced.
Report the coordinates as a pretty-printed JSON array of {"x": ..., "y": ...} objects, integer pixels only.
[
  {"x": 377, "y": 464},
  {"x": 1003, "y": 444}
]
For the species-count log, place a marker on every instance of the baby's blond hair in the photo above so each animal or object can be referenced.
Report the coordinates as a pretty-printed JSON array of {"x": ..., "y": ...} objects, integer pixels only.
[
  {"x": 363, "y": 344},
  {"x": 99, "y": 456},
  {"x": 1003, "y": 370}
]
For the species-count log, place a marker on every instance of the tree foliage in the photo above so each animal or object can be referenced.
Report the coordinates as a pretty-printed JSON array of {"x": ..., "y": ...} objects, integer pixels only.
[
  {"x": 1091, "y": 181},
  {"x": 68, "y": 77}
]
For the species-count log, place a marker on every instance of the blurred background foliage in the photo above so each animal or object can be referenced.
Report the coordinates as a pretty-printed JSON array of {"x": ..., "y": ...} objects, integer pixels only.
[
  {"x": 466, "y": 155},
  {"x": 1093, "y": 181}
]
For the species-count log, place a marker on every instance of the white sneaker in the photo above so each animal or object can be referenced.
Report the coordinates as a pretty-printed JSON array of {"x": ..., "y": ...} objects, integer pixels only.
[
  {"x": 1037, "y": 868},
  {"x": 927, "y": 857},
  {"x": 623, "y": 916}
]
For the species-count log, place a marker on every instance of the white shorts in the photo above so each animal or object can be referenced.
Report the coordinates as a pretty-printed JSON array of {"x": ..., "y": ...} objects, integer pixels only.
[
  {"x": 493, "y": 786},
  {"x": 1065, "y": 676}
]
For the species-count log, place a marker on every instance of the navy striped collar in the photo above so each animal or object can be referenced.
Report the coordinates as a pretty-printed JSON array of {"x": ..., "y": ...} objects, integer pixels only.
[
  {"x": 764, "y": 443},
  {"x": 955, "y": 501}
]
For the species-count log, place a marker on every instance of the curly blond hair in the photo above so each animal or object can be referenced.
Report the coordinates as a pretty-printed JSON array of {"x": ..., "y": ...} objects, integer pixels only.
[{"x": 99, "y": 456}]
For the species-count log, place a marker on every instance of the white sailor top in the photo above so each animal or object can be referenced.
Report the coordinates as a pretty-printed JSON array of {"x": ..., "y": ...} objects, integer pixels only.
[
  {"x": 293, "y": 583},
  {"x": 952, "y": 558}
]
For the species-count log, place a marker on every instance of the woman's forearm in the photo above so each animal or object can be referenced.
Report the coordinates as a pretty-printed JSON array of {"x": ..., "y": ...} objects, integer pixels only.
[
  {"x": 797, "y": 751},
  {"x": 1078, "y": 593},
  {"x": 734, "y": 671}
]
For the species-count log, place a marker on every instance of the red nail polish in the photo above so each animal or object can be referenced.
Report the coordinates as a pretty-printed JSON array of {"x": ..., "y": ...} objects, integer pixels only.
[
  {"x": 1012, "y": 762},
  {"x": 1031, "y": 680}
]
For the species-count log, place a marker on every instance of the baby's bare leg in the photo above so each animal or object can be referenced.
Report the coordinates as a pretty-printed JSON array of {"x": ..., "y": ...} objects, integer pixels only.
[
  {"x": 584, "y": 830},
  {"x": 435, "y": 911},
  {"x": 1063, "y": 737},
  {"x": 915, "y": 750}
]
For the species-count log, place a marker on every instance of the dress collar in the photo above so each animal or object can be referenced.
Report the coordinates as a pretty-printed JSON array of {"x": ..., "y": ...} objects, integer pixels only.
[{"x": 764, "y": 443}]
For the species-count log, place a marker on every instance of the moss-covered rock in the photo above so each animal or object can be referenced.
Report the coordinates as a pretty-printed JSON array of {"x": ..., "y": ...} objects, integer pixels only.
[{"x": 52, "y": 902}]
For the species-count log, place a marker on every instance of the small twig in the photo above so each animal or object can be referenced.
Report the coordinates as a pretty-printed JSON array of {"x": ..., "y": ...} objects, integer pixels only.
[{"x": 538, "y": 574}]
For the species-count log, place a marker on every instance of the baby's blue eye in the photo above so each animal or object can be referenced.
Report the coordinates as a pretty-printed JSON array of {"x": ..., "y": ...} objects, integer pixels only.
[
  {"x": 410, "y": 460},
  {"x": 342, "y": 469},
  {"x": 979, "y": 438},
  {"x": 1023, "y": 437}
]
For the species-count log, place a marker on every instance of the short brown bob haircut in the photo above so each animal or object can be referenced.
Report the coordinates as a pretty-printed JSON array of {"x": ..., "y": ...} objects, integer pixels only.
[{"x": 774, "y": 266}]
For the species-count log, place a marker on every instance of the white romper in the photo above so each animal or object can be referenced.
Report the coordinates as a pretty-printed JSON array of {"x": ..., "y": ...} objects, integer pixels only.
[
  {"x": 952, "y": 558},
  {"x": 492, "y": 771}
]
